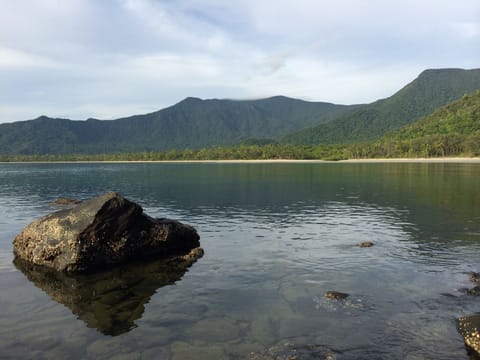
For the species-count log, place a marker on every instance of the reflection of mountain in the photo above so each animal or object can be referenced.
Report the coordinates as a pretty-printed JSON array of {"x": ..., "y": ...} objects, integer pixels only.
[{"x": 112, "y": 300}]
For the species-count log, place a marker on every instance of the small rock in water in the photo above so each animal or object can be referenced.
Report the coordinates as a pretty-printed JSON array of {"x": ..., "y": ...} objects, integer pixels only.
[
  {"x": 474, "y": 291},
  {"x": 336, "y": 295},
  {"x": 474, "y": 277},
  {"x": 365, "y": 244},
  {"x": 469, "y": 328},
  {"x": 63, "y": 201}
]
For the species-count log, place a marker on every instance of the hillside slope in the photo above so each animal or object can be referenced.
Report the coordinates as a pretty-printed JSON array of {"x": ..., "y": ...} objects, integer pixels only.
[
  {"x": 192, "y": 123},
  {"x": 459, "y": 117},
  {"x": 451, "y": 130},
  {"x": 432, "y": 89}
]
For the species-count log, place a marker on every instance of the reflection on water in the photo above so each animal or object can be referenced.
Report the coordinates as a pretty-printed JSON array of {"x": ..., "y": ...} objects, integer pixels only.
[
  {"x": 109, "y": 301},
  {"x": 276, "y": 238}
]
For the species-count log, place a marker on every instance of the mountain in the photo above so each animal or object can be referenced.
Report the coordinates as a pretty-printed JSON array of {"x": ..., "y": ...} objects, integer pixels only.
[
  {"x": 432, "y": 89},
  {"x": 192, "y": 123},
  {"x": 459, "y": 117},
  {"x": 451, "y": 130}
]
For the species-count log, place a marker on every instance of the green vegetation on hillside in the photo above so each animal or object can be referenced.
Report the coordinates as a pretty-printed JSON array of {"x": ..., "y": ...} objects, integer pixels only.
[
  {"x": 432, "y": 89},
  {"x": 452, "y": 130},
  {"x": 192, "y": 123}
]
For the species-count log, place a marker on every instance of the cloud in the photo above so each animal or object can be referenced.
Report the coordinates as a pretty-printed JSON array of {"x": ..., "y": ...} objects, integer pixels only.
[
  {"x": 275, "y": 62},
  {"x": 65, "y": 56},
  {"x": 11, "y": 58},
  {"x": 468, "y": 30}
]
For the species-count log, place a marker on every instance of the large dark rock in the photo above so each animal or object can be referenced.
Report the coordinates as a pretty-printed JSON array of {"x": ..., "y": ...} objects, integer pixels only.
[
  {"x": 101, "y": 232},
  {"x": 469, "y": 327}
]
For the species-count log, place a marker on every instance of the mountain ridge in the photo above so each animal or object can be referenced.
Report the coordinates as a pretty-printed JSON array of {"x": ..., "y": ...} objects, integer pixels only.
[
  {"x": 191, "y": 123},
  {"x": 432, "y": 89},
  {"x": 195, "y": 123},
  {"x": 451, "y": 130}
]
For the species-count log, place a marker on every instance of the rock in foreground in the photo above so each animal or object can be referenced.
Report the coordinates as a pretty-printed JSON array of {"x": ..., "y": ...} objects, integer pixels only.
[
  {"x": 101, "y": 232},
  {"x": 469, "y": 327}
]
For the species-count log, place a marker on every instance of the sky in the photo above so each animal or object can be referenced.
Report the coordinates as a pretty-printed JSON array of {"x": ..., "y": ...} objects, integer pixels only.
[{"x": 112, "y": 58}]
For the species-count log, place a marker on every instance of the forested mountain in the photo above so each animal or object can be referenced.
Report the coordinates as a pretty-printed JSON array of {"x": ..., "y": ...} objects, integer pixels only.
[
  {"x": 432, "y": 89},
  {"x": 451, "y": 130},
  {"x": 459, "y": 117},
  {"x": 192, "y": 123}
]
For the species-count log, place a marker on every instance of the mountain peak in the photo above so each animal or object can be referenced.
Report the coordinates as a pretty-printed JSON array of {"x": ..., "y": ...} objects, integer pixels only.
[
  {"x": 430, "y": 90},
  {"x": 191, "y": 100},
  {"x": 42, "y": 118},
  {"x": 441, "y": 72}
]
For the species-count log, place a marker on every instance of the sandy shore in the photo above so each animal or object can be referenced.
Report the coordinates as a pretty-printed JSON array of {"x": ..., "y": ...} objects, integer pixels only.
[
  {"x": 418, "y": 160},
  {"x": 274, "y": 161},
  {"x": 397, "y": 160},
  {"x": 286, "y": 161}
]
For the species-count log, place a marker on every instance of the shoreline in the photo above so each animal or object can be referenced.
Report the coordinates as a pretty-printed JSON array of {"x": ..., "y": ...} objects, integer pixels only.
[{"x": 266, "y": 161}]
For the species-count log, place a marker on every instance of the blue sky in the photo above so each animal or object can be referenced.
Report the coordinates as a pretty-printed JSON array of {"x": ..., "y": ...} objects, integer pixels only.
[{"x": 113, "y": 58}]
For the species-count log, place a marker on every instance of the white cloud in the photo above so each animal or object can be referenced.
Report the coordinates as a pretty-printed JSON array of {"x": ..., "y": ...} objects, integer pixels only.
[
  {"x": 99, "y": 58},
  {"x": 11, "y": 58},
  {"x": 467, "y": 29}
]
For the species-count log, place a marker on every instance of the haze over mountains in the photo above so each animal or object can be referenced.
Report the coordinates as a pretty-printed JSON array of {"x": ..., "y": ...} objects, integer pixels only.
[{"x": 195, "y": 123}]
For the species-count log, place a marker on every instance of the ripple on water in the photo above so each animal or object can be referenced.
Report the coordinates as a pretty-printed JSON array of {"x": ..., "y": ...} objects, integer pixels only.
[
  {"x": 269, "y": 259},
  {"x": 6, "y": 265}
]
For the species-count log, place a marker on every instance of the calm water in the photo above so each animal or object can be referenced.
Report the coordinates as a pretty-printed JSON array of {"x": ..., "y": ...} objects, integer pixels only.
[{"x": 276, "y": 238}]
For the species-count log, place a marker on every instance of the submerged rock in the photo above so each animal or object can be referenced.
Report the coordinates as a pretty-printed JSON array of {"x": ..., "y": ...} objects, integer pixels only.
[
  {"x": 111, "y": 300},
  {"x": 365, "y": 244},
  {"x": 474, "y": 277},
  {"x": 288, "y": 351},
  {"x": 469, "y": 328},
  {"x": 63, "y": 201},
  {"x": 475, "y": 291},
  {"x": 101, "y": 232}
]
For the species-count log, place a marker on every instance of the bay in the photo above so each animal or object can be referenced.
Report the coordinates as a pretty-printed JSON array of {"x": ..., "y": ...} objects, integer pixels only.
[{"x": 276, "y": 238}]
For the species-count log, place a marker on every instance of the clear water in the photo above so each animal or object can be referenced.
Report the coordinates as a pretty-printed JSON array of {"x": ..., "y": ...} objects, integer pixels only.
[{"x": 276, "y": 238}]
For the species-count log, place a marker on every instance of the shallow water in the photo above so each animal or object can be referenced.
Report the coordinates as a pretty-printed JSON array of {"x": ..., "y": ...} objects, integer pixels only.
[{"x": 276, "y": 238}]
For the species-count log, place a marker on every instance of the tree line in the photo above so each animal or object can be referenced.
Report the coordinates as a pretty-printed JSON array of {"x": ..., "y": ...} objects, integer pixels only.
[{"x": 438, "y": 145}]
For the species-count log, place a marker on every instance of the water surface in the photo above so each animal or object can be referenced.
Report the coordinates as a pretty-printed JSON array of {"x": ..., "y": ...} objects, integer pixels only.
[{"x": 276, "y": 238}]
